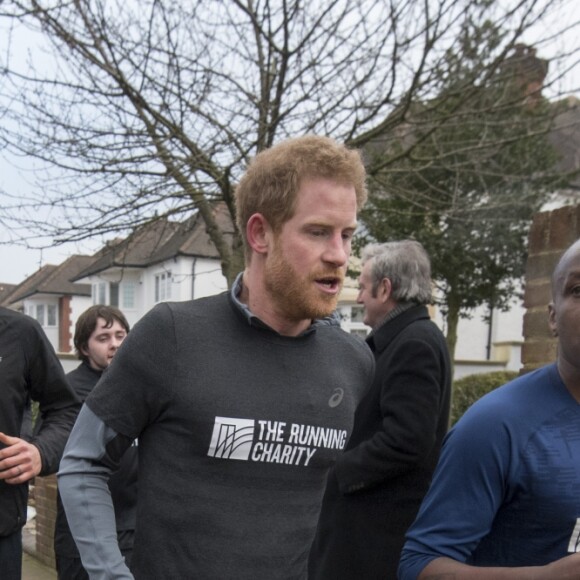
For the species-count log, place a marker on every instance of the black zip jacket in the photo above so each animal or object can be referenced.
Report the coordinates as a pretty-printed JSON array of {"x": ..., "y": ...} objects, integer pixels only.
[{"x": 30, "y": 369}]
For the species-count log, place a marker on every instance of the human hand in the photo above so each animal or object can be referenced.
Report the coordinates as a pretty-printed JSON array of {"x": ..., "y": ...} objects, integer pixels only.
[{"x": 19, "y": 461}]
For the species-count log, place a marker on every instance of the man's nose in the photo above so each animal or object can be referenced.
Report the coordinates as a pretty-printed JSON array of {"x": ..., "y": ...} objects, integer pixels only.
[{"x": 337, "y": 250}]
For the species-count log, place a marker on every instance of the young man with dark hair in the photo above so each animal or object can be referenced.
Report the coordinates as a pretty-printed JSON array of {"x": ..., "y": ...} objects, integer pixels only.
[
  {"x": 241, "y": 401},
  {"x": 29, "y": 370},
  {"x": 99, "y": 332}
]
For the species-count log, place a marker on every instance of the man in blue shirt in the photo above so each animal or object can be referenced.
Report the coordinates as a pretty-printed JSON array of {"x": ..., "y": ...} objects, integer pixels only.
[{"x": 505, "y": 498}]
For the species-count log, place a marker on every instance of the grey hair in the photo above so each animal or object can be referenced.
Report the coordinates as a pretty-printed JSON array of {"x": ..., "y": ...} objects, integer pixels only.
[{"x": 406, "y": 264}]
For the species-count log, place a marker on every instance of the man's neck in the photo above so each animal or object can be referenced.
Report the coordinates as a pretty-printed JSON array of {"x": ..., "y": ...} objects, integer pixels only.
[
  {"x": 393, "y": 312},
  {"x": 256, "y": 297},
  {"x": 570, "y": 377}
]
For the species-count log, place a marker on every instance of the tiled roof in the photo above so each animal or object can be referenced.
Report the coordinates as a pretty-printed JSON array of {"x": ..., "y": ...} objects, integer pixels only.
[
  {"x": 50, "y": 279},
  {"x": 158, "y": 241},
  {"x": 5, "y": 291}
]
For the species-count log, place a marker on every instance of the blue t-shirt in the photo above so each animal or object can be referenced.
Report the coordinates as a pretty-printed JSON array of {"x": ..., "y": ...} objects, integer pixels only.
[{"x": 506, "y": 491}]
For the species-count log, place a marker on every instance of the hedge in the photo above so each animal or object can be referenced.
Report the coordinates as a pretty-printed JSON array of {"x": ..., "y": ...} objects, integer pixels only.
[{"x": 469, "y": 389}]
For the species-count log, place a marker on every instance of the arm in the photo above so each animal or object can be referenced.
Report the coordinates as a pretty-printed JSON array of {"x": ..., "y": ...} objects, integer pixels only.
[
  {"x": 467, "y": 491},
  {"x": 410, "y": 403},
  {"x": 91, "y": 455},
  {"x": 58, "y": 404},
  {"x": 567, "y": 568},
  {"x": 44, "y": 380},
  {"x": 20, "y": 461}
]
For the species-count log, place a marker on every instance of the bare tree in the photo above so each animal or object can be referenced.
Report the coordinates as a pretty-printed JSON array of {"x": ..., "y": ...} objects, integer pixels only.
[{"x": 154, "y": 108}]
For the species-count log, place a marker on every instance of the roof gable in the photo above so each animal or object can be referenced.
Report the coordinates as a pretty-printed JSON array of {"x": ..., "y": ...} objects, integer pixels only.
[
  {"x": 158, "y": 241},
  {"x": 50, "y": 279}
]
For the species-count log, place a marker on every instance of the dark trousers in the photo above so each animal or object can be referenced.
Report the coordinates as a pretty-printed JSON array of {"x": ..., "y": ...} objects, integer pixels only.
[
  {"x": 11, "y": 556},
  {"x": 70, "y": 569}
]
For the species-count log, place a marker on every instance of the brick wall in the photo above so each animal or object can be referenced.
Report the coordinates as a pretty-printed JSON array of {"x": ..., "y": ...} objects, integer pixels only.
[
  {"x": 64, "y": 324},
  {"x": 45, "y": 498},
  {"x": 551, "y": 233}
]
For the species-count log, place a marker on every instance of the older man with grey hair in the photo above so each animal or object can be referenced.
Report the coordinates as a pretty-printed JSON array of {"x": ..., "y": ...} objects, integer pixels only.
[{"x": 375, "y": 490}]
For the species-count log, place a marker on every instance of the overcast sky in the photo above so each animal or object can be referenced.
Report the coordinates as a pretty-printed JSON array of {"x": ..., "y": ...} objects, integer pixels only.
[{"x": 17, "y": 262}]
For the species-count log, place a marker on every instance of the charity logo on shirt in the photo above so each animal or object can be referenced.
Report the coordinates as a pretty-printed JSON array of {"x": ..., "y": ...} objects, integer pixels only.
[{"x": 271, "y": 441}]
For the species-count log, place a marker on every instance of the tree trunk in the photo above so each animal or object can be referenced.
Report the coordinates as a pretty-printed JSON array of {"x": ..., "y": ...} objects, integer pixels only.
[
  {"x": 234, "y": 264},
  {"x": 452, "y": 321}
]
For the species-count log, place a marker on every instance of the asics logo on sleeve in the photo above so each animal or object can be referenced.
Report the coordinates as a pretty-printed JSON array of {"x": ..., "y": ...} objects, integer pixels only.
[{"x": 336, "y": 398}]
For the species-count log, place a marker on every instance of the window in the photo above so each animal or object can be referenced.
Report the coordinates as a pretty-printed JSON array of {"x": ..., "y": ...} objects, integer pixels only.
[
  {"x": 114, "y": 294},
  {"x": 40, "y": 313},
  {"x": 121, "y": 295},
  {"x": 163, "y": 287},
  {"x": 51, "y": 315},
  {"x": 128, "y": 295},
  {"x": 356, "y": 313},
  {"x": 45, "y": 314},
  {"x": 353, "y": 320},
  {"x": 99, "y": 292}
]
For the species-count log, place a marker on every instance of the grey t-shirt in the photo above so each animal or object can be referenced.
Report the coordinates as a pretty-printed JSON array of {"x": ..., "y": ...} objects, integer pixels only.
[{"x": 237, "y": 427}]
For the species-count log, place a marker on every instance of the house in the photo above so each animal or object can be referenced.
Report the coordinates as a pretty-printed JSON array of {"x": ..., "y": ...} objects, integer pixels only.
[
  {"x": 166, "y": 260},
  {"x": 50, "y": 297},
  {"x": 160, "y": 261}
]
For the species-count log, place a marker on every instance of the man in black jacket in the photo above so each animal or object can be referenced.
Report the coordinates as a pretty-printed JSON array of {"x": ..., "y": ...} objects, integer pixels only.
[
  {"x": 29, "y": 370},
  {"x": 99, "y": 332},
  {"x": 376, "y": 487}
]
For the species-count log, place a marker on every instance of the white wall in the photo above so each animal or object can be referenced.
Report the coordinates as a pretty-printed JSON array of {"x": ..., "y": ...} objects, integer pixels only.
[
  {"x": 473, "y": 332},
  {"x": 209, "y": 279},
  {"x": 191, "y": 278},
  {"x": 30, "y": 306},
  {"x": 121, "y": 276}
]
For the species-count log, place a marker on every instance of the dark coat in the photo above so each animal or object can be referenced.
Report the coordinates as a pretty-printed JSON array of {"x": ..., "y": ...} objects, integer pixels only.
[
  {"x": 375, "y": 490},
  {"x": 30, "y": 370}
]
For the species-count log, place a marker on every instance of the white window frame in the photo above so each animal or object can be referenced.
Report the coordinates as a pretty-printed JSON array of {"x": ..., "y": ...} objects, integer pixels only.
[
  {"x": 127, "y": 295},
  {"x": 45, "y": 314},
  {"x": 163, "y": 286},
  {"x": 99, "y": 293}
]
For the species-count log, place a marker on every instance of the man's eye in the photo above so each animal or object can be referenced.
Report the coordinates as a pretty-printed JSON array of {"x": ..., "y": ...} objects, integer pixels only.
[{"x": 575, "y": 291}]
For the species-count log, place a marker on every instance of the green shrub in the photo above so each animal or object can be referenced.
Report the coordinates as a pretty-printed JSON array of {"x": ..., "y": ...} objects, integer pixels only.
[
  {"x": 469, "y": 389},
  {"x": 35, "y": 412}
]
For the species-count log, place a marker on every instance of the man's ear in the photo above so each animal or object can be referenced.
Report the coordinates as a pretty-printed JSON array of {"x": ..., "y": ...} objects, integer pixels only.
[
  {"x": 385, "y": 289},
  {"x": 552, "y": 319},
  {"x": 258, "y": 233}
]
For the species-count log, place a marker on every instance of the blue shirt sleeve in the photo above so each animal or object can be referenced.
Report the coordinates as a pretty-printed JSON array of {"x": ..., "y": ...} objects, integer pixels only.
[{"x": 468, "y": 488}]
